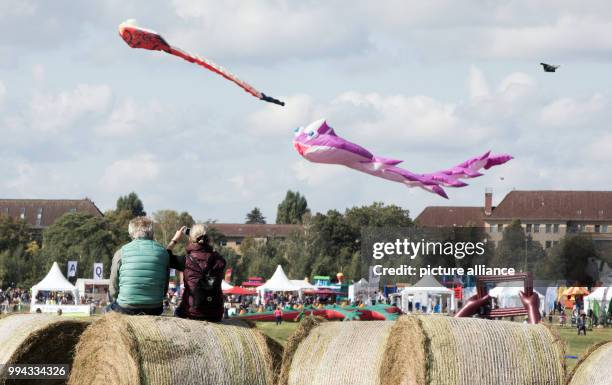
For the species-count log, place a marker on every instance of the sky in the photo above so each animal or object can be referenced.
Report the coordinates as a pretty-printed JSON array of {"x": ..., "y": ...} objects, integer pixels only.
[{"x": 430, "y": 82}]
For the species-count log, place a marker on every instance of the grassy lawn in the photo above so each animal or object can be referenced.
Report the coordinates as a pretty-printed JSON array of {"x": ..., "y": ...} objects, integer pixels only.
[
  {"x": 280, "y": 333},
  {"x": 578, "y": 345}
]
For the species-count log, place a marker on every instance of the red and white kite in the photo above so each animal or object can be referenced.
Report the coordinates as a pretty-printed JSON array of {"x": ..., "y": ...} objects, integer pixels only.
[{"x": 137, "y": 37}]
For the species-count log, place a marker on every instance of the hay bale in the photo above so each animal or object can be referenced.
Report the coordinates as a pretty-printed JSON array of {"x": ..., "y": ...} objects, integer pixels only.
[
  {"x": 427, "y": 350},
  {"x": 38, "y": 339},
  {"x": 151, "y": 350},
  {"x": 595, "y": 367}
]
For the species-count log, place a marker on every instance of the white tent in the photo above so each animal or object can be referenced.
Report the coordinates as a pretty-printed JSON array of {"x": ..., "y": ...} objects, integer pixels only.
[
  {"x": 55, "y": 281},
  {"x": 602, "y": 295},
  {"x": 507, "y": 294},
  {"x": 225, "y": 285},
  {"x": 278, "y": 282},
  {"x": 302, "y": 284},
  {"x": 427, "y": 292}
]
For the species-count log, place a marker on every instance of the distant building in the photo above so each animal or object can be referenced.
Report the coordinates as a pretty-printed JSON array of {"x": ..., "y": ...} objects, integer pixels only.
[
  {"x": 235, "y": 233},
  {"x": 42, "y": 213},
  {"x": 547, "y": 216}
]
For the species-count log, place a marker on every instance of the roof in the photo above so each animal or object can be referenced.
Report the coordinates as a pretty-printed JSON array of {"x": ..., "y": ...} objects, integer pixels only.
[
  {"x": 52, "y": 209},
  {"x": 278, "y": 282},
  {"x": 555, "y": 205},
  {"x": 255, "y": 231},
  {"x": 449, "y": 216},
  {"x": 54, "y": 281}
]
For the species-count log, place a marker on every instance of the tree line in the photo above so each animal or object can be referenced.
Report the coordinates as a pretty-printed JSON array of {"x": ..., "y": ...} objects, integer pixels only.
[{"x": 324, "y": 244}]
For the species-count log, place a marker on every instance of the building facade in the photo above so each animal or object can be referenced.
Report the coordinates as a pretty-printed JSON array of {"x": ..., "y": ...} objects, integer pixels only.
[
  {"x": 547, "y": 216},
  {"x": 235, "y": 233},
  {"x": 42, "y": 213}
]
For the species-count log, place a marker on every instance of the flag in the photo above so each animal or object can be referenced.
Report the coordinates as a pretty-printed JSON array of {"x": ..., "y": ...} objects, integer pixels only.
[
  {"x": 72, "y": 269},
  {"x": 98, "y": 271},
  {"x": 596, "y": 309}
]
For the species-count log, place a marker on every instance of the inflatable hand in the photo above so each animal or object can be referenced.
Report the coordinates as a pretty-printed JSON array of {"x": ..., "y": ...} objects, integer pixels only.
[
  {"x": 532, "y": 304},
  {"x": 472, "y": 305}
]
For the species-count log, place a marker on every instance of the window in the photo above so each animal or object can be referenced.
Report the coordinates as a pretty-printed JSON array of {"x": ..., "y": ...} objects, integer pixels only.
[
  {"x": 528, "y": 227},
  {"x": 548, "y": 244},
  {"x": 238, "y": 242},
  {"x": 492, "y": 228},
  {"x": 597, "y": 228},
  {"x": 604, "y": 228},
  {"x": 548, "y": 228},
  {"x": 555, "y": 243},
  {"x": 556, "y": 228},
  {"x": 536, "y": 228},
  {"x": 500, "y": 228},
  {"x": 22, "y": 213},
  {"x": 39, "y": 217},
  {"x": 223, "y": 243},
  {"x": 73, "y": 210}
]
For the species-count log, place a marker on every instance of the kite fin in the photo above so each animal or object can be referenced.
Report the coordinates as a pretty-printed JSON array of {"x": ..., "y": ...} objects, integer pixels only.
[{"x": 387, "y": 161}]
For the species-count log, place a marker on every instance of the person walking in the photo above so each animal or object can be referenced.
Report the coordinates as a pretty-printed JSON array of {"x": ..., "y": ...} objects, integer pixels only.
[{"x": 278, "y": 315}]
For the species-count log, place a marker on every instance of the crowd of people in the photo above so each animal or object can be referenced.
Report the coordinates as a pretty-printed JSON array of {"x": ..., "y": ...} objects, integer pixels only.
[{"x": 13, "y": 299}]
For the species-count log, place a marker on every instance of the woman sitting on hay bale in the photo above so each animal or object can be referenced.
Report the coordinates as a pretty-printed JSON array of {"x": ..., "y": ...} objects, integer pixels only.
[{"x": 202, "y": 269}]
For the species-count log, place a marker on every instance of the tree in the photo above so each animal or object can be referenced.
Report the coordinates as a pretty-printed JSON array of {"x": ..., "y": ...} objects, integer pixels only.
[
  {"x": 132, "y": 204},
  {"x": 517, "y": 249},
  {"x": 255, "y": 217},
  {"x": 16, "y": 252},
  {"x": 292, "y": 209},
  {"x": 569, "y": 261},
  {"x": 80, "y": 237},
  {"x": 167, "y": 222}
]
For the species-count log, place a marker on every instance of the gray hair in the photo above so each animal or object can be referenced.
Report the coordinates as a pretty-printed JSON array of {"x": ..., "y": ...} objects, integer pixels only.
[
  {"x": 197, "y": 231},
  {"x": 141, "y": 228}
]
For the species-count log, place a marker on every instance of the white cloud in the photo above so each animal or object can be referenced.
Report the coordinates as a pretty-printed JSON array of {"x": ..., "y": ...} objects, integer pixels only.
[
  {"x": 318, "y": 174},
  {"x": 130, "y": 117},
  {"x": 2, "y": 93},
  {"x": 54, "y": 113},
  {"x": 275, "y": 120},
  {"x": 130, "y": 173},
  {"x": 572, "y": 111},
  {"x": 477, "y": 84}
]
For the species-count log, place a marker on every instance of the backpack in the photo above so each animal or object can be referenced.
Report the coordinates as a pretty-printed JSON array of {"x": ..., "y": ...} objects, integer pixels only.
[{"x": 204, "y": 294}]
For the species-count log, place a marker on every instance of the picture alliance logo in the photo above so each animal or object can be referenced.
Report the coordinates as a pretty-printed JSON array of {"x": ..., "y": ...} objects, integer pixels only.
[{"x": 412, "y": 249}]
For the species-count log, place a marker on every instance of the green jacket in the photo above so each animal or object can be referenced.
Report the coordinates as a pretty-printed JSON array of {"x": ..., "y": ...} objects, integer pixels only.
[{"x": 141, "y": 274}]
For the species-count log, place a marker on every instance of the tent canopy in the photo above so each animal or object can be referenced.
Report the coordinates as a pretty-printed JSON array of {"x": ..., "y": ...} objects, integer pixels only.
[
  {"x": 427, "y": 284},
  {"x": 508, "y": 295},
  {"x": 600, "y": 294},
  {"x": 278, "y": 282},
  {"x": 302, "y": 284},
  {"x": 225, "y": 286},
  {"x": 54, "y": 281}
]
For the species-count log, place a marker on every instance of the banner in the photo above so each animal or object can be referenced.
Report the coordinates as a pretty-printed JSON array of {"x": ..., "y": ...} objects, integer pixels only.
[
  {"x": 72, "y": 269},
  {"x": 98, "y": 271}
]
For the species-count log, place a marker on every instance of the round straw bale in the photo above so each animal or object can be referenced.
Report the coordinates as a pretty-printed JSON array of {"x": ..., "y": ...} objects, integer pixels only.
[
  {"x": 595, "y": 368},
  {"x": 427, "y": 350},
  {"x": 38, "y": 339},
  {"x": 134, "y": 350}
]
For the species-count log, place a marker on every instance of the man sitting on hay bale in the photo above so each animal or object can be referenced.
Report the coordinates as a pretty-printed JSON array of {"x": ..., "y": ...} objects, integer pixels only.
[{"x": 139, "y": 272}]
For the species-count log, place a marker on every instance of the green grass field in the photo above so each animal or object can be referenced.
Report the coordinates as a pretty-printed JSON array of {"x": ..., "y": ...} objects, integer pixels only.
[{"x": 279, "y": 333}]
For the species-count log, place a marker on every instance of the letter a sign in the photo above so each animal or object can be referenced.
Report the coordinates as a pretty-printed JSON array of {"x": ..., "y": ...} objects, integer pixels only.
[
  {"x": 98, "y": 271},
  {"x": 72, "y": 268}
]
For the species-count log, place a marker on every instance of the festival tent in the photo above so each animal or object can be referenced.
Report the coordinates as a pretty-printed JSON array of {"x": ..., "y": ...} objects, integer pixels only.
[
  {"x": 302, "y": 284},
  {"x": 55, "y": 281},
  {"x": 508, "y": 295},
  {"x": 278, "y": 282},
  {"x": 427, "y": 292},
  {"x": 576, "y": 290},
  {"x": 600, "y": 296},
  {"x": 225, "y": 286}
]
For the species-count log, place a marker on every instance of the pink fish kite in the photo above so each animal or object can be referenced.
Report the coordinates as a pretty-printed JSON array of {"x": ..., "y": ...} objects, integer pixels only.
[
  {"x": 319, "y": 143},
  {"x": 137, "y": 37}
]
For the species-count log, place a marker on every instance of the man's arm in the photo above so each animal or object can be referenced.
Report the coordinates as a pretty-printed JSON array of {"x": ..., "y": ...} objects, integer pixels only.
[{"x": 113, "y": 289}]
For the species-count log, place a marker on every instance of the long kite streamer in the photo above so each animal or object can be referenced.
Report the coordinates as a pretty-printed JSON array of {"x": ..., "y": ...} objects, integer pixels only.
[
  {"x": 137, "y": 37},
  {"x": 319, "y": 143}
]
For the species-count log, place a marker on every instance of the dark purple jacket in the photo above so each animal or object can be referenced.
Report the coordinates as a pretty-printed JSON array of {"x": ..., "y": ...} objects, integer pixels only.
[{"x": 213, "y": 264}]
